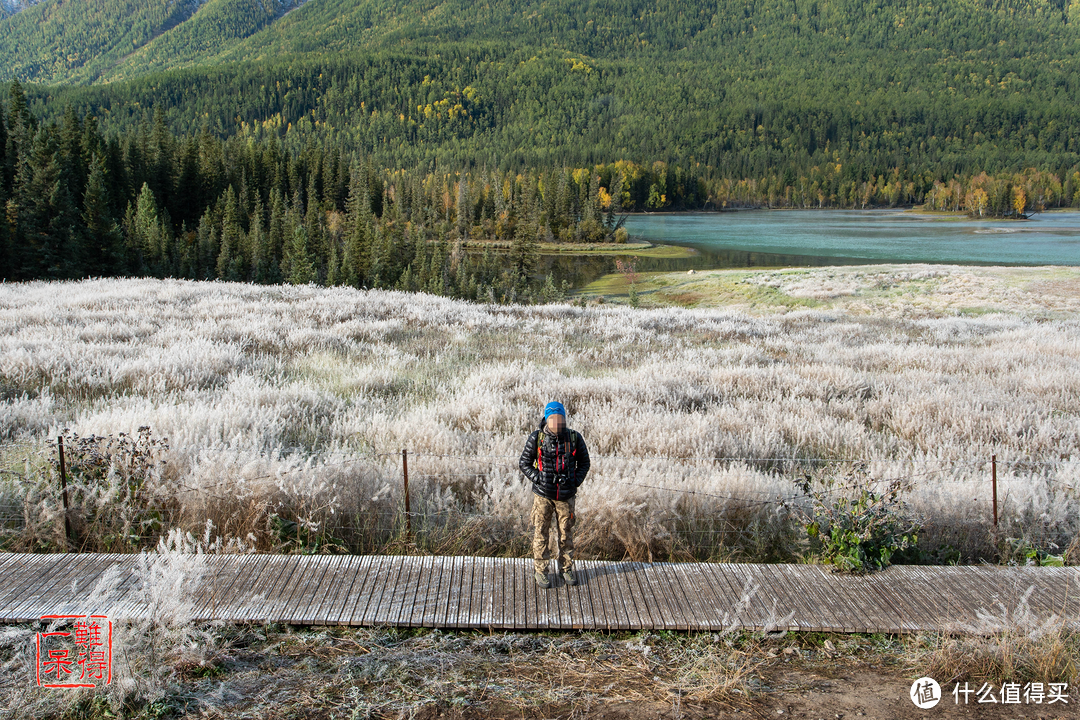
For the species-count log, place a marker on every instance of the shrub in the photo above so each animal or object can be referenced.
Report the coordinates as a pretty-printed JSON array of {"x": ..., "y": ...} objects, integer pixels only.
[{"x": 859, "y": 533}]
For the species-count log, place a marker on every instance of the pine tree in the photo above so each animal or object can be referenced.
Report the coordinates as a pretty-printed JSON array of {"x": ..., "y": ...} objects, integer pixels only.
[
  {"x": 146, "y": 237},
  {"x": 230, "y": 259},
  {"x": 40, "y": 241},
  {"x": 208, "y": 246},
  {"x": 357, "y": 256},
  {"x": 258, "y": 245},
  {"x": 523, "y": 252},
  {"x": 301, "y": 270},
  {"x": 333, "y": 269},
  {"x": 275, "y": 237},
  {"x": 101, "y": 252}
]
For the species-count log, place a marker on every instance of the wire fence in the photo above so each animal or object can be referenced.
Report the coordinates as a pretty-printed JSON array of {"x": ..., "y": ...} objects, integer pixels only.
[{"x": 794, "y": 467}]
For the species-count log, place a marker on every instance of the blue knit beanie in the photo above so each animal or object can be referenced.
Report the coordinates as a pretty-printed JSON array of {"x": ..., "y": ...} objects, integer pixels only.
[{"x": 554, "y": 408}]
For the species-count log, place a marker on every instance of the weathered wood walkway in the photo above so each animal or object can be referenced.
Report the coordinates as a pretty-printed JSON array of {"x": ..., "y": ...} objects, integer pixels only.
[{"x": 489, "y": 593}]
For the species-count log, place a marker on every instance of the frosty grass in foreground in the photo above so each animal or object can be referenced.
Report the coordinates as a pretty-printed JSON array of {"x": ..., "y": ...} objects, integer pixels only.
[{"x": 286, "y": 408}]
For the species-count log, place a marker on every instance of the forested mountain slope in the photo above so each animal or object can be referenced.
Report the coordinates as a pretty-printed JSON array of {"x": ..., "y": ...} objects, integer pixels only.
[
  {"x": 513, "y": 121},
  {"x": 736, "y": 87},
  {"x": 90, "y": 40}
]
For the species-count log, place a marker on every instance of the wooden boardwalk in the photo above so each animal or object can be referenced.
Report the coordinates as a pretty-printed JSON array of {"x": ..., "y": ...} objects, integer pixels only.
[{"x": 495, "y": 593}]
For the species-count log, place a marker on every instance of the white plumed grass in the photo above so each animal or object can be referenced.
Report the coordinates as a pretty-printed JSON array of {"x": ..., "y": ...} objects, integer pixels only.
[{"x": 296, "y": 401}]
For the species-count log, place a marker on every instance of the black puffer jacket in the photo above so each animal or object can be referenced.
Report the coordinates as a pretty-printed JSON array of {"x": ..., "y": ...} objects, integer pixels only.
[{"x": 561, "y": 465}]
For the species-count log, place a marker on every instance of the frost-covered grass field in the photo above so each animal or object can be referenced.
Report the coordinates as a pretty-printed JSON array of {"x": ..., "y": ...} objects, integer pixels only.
[{"x": 286, "y": 410}]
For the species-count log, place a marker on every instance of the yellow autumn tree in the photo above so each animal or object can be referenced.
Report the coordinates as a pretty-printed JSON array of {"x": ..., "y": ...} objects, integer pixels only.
[
  {"x": 1019, "y": 200},
  {"x": 979, "y": 199}
]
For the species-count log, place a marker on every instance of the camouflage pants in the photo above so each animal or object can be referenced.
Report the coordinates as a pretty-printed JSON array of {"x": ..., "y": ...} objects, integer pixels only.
[{"x": 542, "y": 511}]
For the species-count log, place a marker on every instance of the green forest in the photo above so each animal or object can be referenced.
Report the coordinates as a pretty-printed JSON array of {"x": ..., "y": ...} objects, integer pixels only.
[{"x": 468, "y": 122}]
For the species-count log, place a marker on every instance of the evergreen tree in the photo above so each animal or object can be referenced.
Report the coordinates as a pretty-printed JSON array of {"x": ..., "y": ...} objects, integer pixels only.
[
  {"x": 258, "y": 245},
  {"x": 208, "y": 246},
  {"x": 40, "y": 242},
  {"x": 102, "y": 253},
  {"x": 230, "y": 259},
  {"x": 301, "y": 270}
]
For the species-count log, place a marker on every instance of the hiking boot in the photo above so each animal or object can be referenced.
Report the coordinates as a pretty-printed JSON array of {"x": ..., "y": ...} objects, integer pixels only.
[
  {"x": 568, "y": 577},
  {"x": 542, "y": 580}
]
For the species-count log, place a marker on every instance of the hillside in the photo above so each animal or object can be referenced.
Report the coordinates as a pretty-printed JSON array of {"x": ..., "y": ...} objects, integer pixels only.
[
  {"x": 55, "y": 41},
  {"x": 81, "y": 41},
  {"x": 740, "y": 89}
]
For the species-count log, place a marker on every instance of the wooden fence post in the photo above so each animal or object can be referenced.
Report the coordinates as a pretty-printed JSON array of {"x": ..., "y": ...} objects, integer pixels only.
[
  {"x": 63, "y": 490},
  {"x": 993, "y": 476},
  {"x": 405, "y": 473}
]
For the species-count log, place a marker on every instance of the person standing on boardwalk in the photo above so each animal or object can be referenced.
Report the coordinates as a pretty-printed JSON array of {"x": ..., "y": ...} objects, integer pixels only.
[{"x": 556, "y": 461}]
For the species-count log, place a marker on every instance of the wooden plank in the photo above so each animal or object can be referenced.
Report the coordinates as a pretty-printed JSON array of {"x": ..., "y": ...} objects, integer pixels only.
[
  {"x": 126, "y": 602},
  {"x": 354, "y": 594},
  {"x": 61, "y": 596},
  {"x": 504, "y": 601},
  {"x": 405, "y": 592},
  {"x": 1060, "y": 588},
  {"x": 66, "y": 593},
  {"x": 471, "y": 596},
  {"x": 493, "y": 590},
  {"x": 845, "y": 614},
  {"x": 919, "y": 602},
  {"x": 536, "y": 600},
  {"x": 833, "y": 610},
  {"x": 718, "y": 596},
  {"x": 338, "y": 578},
  {"x": 23, "y": 579},
  {"x": 446, "y": 585},
  {"x": 122, "y": 567},
  {"x": 757, "y": 609},
  {"x": 648, "y": 607},
  {"x": 940, "y": 606},
  {"x": 275, "y": 576},
  {"x": 1051, "y": 587},
  {"x": 305, "y": 592},
  {"x": 436, "y": 583},
  {"x": 592, "y": 609},
  {"x": 881, "y": 615},
  {"x": 51, "y": 587},
  {"x": 732, "y": 612},
  {"x": 312, "y": 611},
  {"x": 579, "y": 610},
  {"x": 456, "y": 600},
  {"x": 625, "y": 612},
  {"x": 669, "y": 583},
  {"x": 212, "y": 596},
  {"x": 413, "y": 613},
  {"x": 250, "y": 569},
  {"x": 11, "y": 561},
  {"x": 699, "y": 599},
  {"x": 490, "y": 593},
  {"x": 19, "y": 567},
  {"x": 662, "y": 606},
  {"x": 1048, "y": 596},
  {"x": 480, "y": 592},
  {"x": 603, "y": 613},
  {"x": 38, "y": 596},
  {"x": 626, "y": 587},
  {"x": 279, "y": 602},
  {"x": 380, "y": 571},
  {"x": 889, "y": 586},
  {"x": 558, "y": 600},
  {"x": 794, "y": 599},
  {"x": 511, "y": 618},
  {"x": 89, "y": 576},
  {"x": 965, "y": 603},
  {"x": 474, "y": 595},
  {"x": 525, "y": 593},
  {"x": 380, "y": 614}
]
